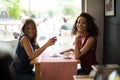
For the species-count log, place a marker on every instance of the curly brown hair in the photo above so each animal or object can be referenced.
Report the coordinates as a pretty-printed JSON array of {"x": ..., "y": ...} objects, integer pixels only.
[{"x": 92, "y": 27}]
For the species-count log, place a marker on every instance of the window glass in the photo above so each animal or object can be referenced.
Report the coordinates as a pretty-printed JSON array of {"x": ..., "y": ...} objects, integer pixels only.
[{"x": 53, "y": 17}]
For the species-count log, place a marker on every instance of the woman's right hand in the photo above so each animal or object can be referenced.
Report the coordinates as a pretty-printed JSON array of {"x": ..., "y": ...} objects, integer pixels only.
[{"x": 51, "y": 41}]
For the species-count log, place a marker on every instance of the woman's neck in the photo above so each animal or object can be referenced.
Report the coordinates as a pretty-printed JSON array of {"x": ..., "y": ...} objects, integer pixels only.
[{"x": 84, "y": 34}]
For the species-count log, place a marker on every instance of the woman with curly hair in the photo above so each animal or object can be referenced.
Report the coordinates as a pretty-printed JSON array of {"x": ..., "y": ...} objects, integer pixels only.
[{"x": 86, "y": 32}]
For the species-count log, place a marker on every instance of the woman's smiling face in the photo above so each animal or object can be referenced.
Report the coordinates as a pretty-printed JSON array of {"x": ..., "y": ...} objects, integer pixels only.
[
  {"x": 81, "y": 24},
  {"x": 30, "y": 30}
]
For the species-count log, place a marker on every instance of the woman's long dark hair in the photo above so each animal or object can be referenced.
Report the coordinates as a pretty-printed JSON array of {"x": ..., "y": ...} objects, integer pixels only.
[
  {"x": 92, "y": 28},
  {"x": 28, "y": 22}
]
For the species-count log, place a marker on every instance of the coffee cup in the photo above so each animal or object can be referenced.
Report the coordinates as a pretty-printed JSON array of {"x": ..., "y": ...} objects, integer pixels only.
[{"x": 66, "y": 54}]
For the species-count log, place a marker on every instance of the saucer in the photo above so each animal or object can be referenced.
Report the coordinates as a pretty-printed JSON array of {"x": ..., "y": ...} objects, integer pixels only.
[
  {"x": 54, "y": 55},
  {"x": 67, "y": 57}
]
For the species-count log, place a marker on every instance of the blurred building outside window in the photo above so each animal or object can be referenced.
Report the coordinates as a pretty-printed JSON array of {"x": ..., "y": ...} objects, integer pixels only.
[{"x": 48, "y": 16}]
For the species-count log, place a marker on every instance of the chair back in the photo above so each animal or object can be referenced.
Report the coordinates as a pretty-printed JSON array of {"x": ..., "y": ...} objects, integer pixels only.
[{"x": 12, "y": 43}]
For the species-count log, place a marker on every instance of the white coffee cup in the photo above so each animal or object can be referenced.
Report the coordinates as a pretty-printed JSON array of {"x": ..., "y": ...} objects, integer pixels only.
[{"x": 66, "y": 54}]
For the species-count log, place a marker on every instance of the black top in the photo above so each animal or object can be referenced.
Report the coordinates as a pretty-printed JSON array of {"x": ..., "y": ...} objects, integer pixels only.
[{"x": 21, "y": 63}]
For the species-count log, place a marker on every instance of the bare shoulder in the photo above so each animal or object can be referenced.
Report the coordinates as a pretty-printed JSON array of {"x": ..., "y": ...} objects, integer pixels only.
[
  {"x": 91, "y": 39},
  {"x": 24, "y": 40}
]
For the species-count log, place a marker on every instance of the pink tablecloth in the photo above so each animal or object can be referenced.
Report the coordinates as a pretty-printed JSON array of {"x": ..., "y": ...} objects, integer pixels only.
[{"x": 57, "y": 68}]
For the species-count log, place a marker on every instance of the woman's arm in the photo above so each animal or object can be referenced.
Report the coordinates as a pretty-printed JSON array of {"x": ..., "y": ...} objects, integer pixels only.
[
  {"x": 25, "y": 43},
  {"x": 77, "y": 49},
  {"x": 89, "y": 45},
  {"x": 68, "y": 50}
]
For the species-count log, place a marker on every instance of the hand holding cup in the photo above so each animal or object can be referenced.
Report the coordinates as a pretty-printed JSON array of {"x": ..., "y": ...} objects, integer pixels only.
[{"x": 54, "y": 39}]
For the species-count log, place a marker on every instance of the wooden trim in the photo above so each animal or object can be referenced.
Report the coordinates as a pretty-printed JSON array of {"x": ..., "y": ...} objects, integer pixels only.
[{"x": 37, "y": 69}]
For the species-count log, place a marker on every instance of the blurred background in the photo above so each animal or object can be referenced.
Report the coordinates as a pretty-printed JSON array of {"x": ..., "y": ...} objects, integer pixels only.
[{"x": 52, "y": 17}]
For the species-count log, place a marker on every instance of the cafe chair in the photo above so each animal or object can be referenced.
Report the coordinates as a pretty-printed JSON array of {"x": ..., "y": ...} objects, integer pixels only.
[
  {"x": 114, "y": 75},
  {"x": 82, "y": 77},
  {"x": 5, "y": 62},
  {"x": 85, "y": 77},
  {"x": 37, "y": 69},
  {"x": 12, "y": 43}
]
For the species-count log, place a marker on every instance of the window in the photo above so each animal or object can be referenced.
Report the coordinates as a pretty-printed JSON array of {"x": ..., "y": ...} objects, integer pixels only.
[{"x": 48, "y": 15}]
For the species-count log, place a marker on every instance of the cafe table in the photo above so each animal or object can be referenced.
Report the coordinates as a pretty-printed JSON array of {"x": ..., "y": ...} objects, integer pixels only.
[{"x": 55, "y": 67}]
